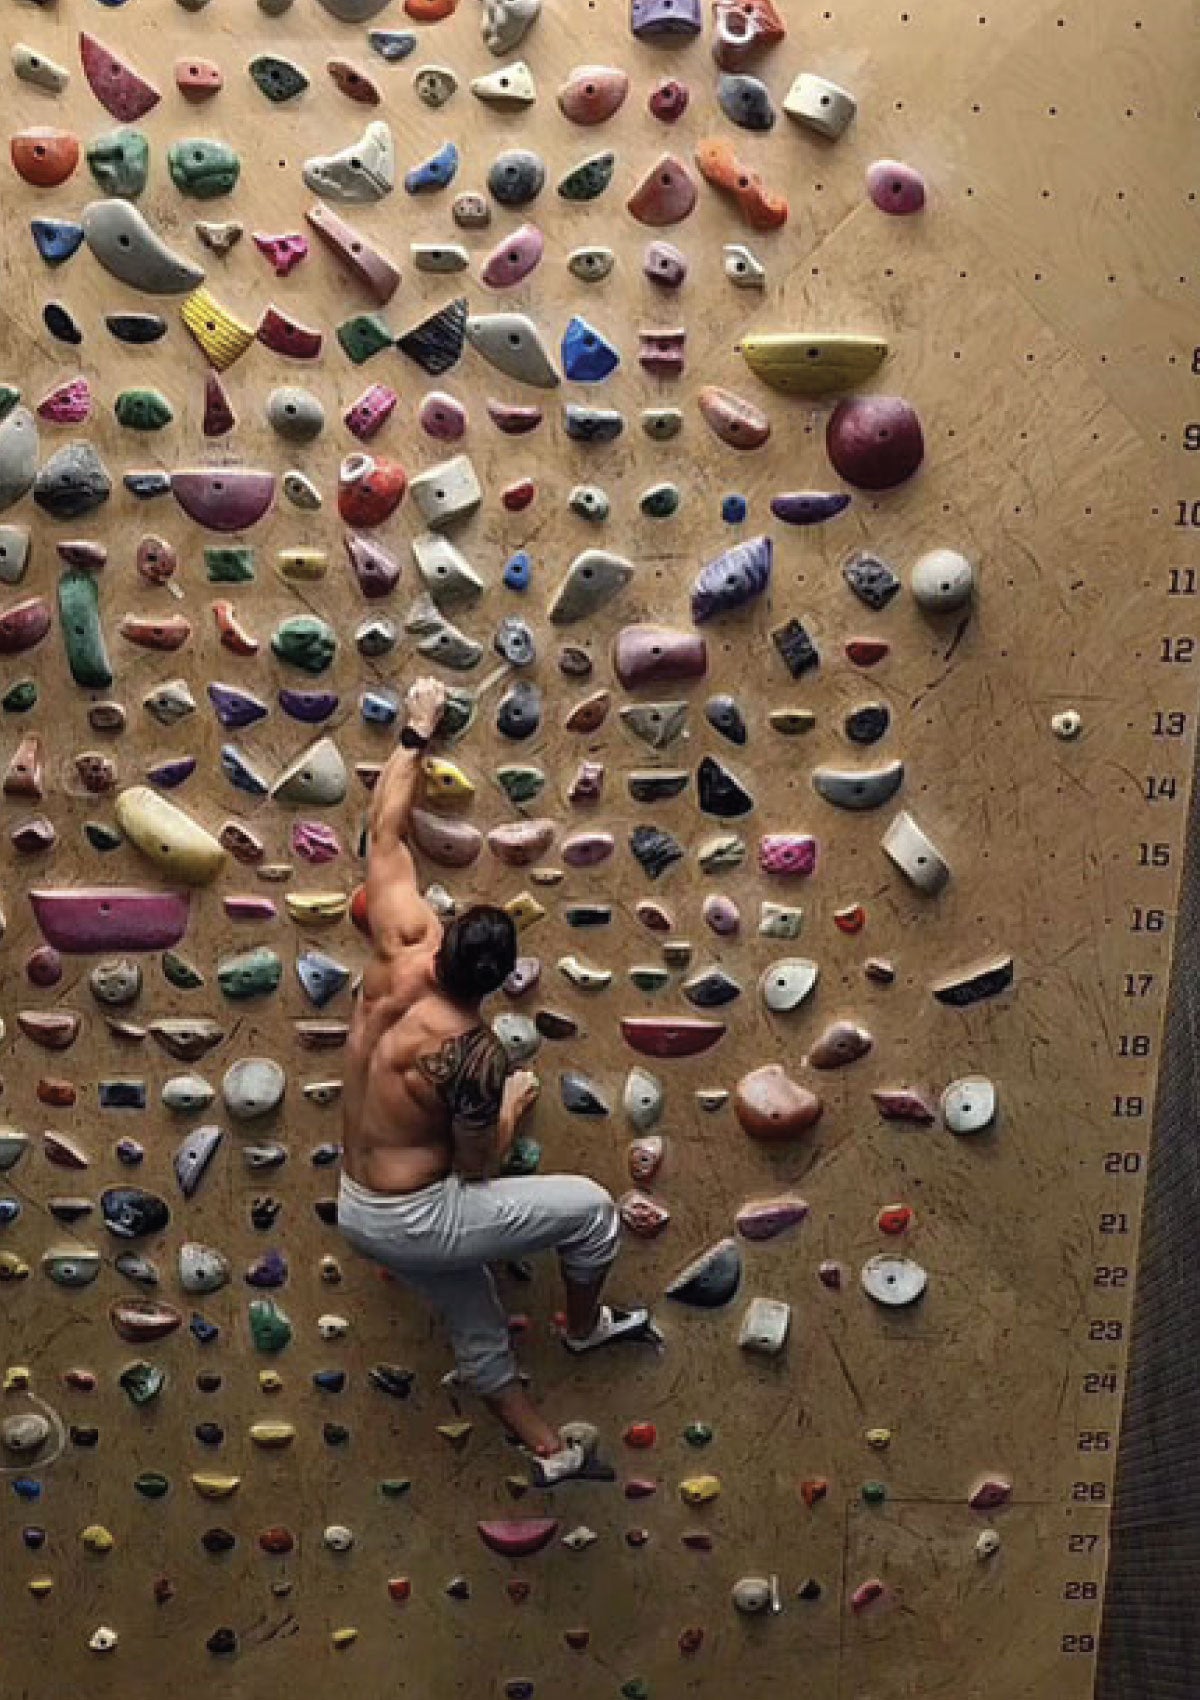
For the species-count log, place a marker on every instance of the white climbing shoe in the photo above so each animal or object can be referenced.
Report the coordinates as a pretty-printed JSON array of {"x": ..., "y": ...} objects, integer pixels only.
[
  {"x": 613, "y": 1323},
  {"x": 577, "y": 1452}
]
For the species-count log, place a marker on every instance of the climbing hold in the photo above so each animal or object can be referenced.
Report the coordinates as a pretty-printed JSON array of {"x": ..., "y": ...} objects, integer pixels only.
[
  {"x": 893, "y": 1281},
  {"x": 858, "y": 788},
  {"x": 56, "y": 239},
  {"x": 67, "y": 404},
  {"x": 764, "y": 1327},
  {"x": 903, "y": 1104},
  {"x": 841, "y": 1043},
  {"x": 894, "y": 1219},
  {"x": 364, "y": 336},
  {"x": 283, "y": 253},
  {"x": 392, "y": 45},
  {"x": 33, "y": 66},
  {"x": 125, "y": 245},
  {"x": 990, "y": 1492},
  {"x": 587, "y": 356},
  {"x": 220, "y": 236},
  {"x": 710, "y": 1280},
  {"x": 734, "y": 420},
  {"x": 120, "y": 162},
  {"x": 664, "y": 22},
  {"x": 365, "y": 262},
  {"x": 505, "y": 23},
  {"x": 366, "y": 416},
  {"x": 664, "y": 264},
  {"x": 279, "y": 79},
  {"x": 591, "y": 265},
  {"x": 785, "y": 984},
  {"x": 295, "y": 414},
  {"x": 73, "y": 482},
  {"x": 742, "y": 29},
  {"x": 646, "y": 654},
  {"x": 516, "y": 177},
  {"x": 719, "y": 793},
  {"x": 202, "y": 168},
  {"x": 866, "y": 725},
  {"x": 362, "y": 171},
  {"x": 514, "y": 258},
  {"x": 270, "y": 1330},
  {"x": 508, "y": 89},
  {"x": 969, "y": 1104},
  {"x": 895, "y": 188},
  {"x": 284, "y": 335},
  {"x": 734, "y": 578},
  {"x": 44, "y": 157},
  {"x": 136, "y": 329},
  {"x": 820, "y": 105},
  {"x": 961, "y": 990},
  {"x": 143, "y": 1320},
  {"x": 589, "y": 502},
  {"x": 511, "y": 343},
  {"x": 670, "y": 1036},
  {"x": 370, "y": 489},
  {"x": 183, "y": 848},
  {"x": 798, "y": 364},
  {"x": 720, "y": 166},
  {"x": 592, "y": 93},
  {"x": 115, "y": 84},
  {"x": 769, "y": 1105},
  {"x": 592, "y": 580},
  {"x": 446, "y": 572},
  {"x": 252, "y": 1087},
  {"x": 917, "y": 858},
  {"x": 665, "y": 195},
  {"x": 447, "y": 492},
  {"x": 142, "y": 410},
  {"x": 874, "y": 442},
  {"x": 942, "y": 580},
  {"x": 518, "y": 1537},
  {"x": 745, "y": 101},
  {"x": 356, "y": 85},
  {"x": 712, "y": 989},
  {"x": 588, "y": 180},
  {"x": 434, "y": 84}
]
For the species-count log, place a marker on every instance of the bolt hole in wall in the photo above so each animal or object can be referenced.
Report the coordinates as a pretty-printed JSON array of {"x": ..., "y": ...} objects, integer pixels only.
[{"x": 875, "y": 1145}]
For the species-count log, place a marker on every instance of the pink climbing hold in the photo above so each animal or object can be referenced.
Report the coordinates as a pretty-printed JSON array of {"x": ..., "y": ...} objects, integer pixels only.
[
  {"x": 513, "y": 259},
  {"x": 790, "y": 855},
  {"x": 442, "y": 417},
  {"x": 368, "y": 415},
  {"x": 989, "y": 1492},
  {"x": 376, "y": 569},
  {"x": 517, "y": 1537},
  {"x": 284, "y": 252},
  {"x": 67, "y": 404},
  {"x": 895, "y": 188},
  {"x": 116, "y": 85},
  {"x": 85, "y": 920},
  {"x": 866, "y": 1594},
  {"x": 315, "y": 842}
]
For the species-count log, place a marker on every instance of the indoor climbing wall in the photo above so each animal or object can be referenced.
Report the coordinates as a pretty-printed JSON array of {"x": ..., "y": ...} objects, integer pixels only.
[{"x": 762, "y": 423}]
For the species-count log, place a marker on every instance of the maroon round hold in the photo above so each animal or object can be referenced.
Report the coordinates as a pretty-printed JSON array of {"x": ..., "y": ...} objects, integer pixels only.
[{"x": 874, "y": 441}]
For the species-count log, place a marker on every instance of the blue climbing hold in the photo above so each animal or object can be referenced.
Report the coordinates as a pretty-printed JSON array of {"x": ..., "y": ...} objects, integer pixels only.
[
  {"x": 25, "y": 1487},
  {"x": 734, "y": 509},
  {"x": 433, "y": 173},
  {"x": 56, "y": 239},
  {"x": 587, "y": 357},
  {"x": 329, "y": 1380},
  {"x": 235, "y": 707},
  {"x": 147, "y": 485},
  {"x": 239, "y": 773},
  {"x": 169, "y": 775},
  {"x": 202, "y": 1329},
  {"x": 10, "y": 1209},
  {"x": 518, "y": 571},
  {"x": 322, "y": 977},
  {"x": 392, "y": 45},
  {"x": 379, "y": 708}
]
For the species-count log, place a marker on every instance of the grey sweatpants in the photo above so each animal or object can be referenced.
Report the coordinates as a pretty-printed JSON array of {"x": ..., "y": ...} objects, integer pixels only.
[{"x": 440, "y": 1241}]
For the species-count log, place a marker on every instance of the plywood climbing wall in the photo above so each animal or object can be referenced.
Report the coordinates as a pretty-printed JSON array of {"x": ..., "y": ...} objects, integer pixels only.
[{"x": 1036, "y": 317}]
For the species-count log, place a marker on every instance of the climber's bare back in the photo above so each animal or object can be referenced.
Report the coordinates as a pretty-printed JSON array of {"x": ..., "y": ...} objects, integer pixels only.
[{"x": 396, "y": 1131}]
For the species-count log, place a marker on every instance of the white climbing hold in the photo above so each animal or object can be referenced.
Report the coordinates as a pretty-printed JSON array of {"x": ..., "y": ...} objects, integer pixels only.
[
  {"x": 916, "y": 856},
  {"x": 969, "y": 1104},
  {"x": 785, "y": 984},
  {"x": 765, "y": 1327},
  {"x": 446, "y": 492},
  {"x": 820, "y": 105},
  {"x": 942, "y": 580},
  {"x": 743, "y": 268},
  {"x": 988, "y": 1545},
  {"x": 1067, "y": 725},
  {"x": 893, "y": 1281}
]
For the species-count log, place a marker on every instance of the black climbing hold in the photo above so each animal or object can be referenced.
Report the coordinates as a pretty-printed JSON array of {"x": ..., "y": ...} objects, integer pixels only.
[
  {"x": 519, "y": 713},
  {"x": 209, "y": 1434},
  {"x": 712, "y": 989},
  {"x": 136, "y": 328},
  {"x": 719, "y": 793},
  {"x": 83, "y": 1436},
  {"x": 219, "y": 1540},
  {"x": 866, "y": 725},
  {"x": 587, "y": 915},
  {"x": 436, "y": 343},
  {"x": 656, "y": 786},
  {"x": 130, "y": 1213},
  {"x": 223, "y": 1640},
  {"x": 580, "y": 1097},
  {"x": 655, "y": 849},
  {"x": 335, "y": 1434},
  {"x": 325, "y": 1210},
  {"x": 60, "y": 324},
  {"x": 810, "y": 1590},
  {"x": 73, "y": 482},
  {"x": 725, "y": 717},
  {"x": 391, "y": 1379},
  {"x": 871, "y": 580},
  {"x": 797, "y": 650},
  {"x": 516, "y": 177},
  {"x": 711, "y": 1279},
  {"x": 147, "y": 485}
]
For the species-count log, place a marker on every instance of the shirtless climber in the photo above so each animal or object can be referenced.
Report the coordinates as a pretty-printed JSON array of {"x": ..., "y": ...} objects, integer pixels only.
[{"x": 430, "y": 1111}]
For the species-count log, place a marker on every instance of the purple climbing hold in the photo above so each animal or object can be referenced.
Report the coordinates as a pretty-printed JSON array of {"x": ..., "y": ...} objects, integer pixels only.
[
  {"x": 310, "y": 707},
  {"x": 375, "y": 567},
  {"x": 85, "y": 920},
  {"x": 895, "y": 188},
  {"x": 234, "y": 707},
  {"x": 169, "y": 775},
  {"x": 665, "y": 20},
  {"x": 513, "y": 259},
  {"x": 224, "y": 498},
  {"x": 734, "y": 578},
  {"x": 809, "y": 507}
]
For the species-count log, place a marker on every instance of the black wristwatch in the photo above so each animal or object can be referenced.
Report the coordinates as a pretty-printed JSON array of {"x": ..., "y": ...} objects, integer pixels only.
[{"x": 413, "y": 740}]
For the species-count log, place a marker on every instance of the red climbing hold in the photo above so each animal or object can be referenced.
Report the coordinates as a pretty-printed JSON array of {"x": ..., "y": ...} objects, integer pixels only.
[{"x": 517, "y": 1537}]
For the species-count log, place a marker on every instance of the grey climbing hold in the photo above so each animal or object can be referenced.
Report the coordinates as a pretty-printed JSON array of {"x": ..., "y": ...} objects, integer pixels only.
[
  {"x": 710, "y": 1280},
  {"x": 115, "y": 982},
  {"x": 516, "y": 177},
  {"x": 446, "y": 492},
  {"x": 295, "y": 414},
  {"x": 764, "y": 1327},
  {"x": 317, "y": 777},
  {"x": 505, "y": 23},
  {"x": 743, "y": 268},
  {"x": 73, "y": 482},
  {"x": 655, "y": 723},
  {"x": 745, "y": 101},
  {"x": 858, "y": 788},
  {"x": 125, "y": 245},
  {"x": 592, "y": 580},
  {"x": 643, "y": 1100},
  {"x": 519, "y": 713},
  {"x": 591, "y": 265},
  {"x": 445, "y": 570},
  {"x": 434, "y": 84},
  {"x": 518, "y": 1035},
  {"x": 592, "y": 424},
  {"x": 514, "y": 641},
  {"x": 253, "y": 1086},
  {"x": 14, "y": 552},
  {"x": 34, "y": 66},
  {"x": 202, "y": 1268},
  {"x": 590, "y": 502},
  {"x": 18, "y": 456},
  {"x": 512, "y": 344},
  {"x": 439, "y": 639},
  {"x": 871, "y": 580},
  {"x": 193, "y": 1155},
  {"x": 942, "y": 580},
  {"x": 580, "y": 1096},
  {"x": 362, "y": 171},
  {"x": 915, "y": 855},
  {"x": 186, "y": 1093}
]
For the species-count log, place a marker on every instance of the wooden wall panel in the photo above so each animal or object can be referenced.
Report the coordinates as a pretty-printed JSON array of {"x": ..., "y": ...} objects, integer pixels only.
[{"x": 1035, "y": 321}]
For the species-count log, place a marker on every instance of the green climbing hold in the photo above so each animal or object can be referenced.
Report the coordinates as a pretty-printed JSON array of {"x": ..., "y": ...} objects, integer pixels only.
[
  {"x": 588, "y": 179},
  {"x": 523, "y": 1158},
  {"x": 305, "y": 641},
  {"x": 202, "y": 168},
  {"x": 873, "y": 1493},
  {"x": 698, "y": 1434},
  {"x": 9, "y": 397},
  {"x": 269, "y": 1326},
  {"x": 101, "y": 836},
  {"x": 143, "y": 1382},
  {"x": 364, "y": 335},
  {"x": 229, "y": 563},
  {"x": 520, "y": 784},
  {"x": 251, "y": 974},
  {"x": 395, "y": 1487},
  {"x": 277, "y": 78},
  {"x": 152, "y": 1485},
  {"x": 637, "y": 1688},
  {"x": 180, "y": 973},
  {"x": 19, "y": 698},
  {"x": 120, "y": 163},
  {"x": 660, "y": 501},
  {"x": 142, "y": 410},
  {"x": 79, "y": 615}
]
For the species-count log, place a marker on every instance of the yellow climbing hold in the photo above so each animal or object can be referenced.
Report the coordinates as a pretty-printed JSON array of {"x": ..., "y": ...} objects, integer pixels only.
[
  {"x": 879, "y": 1438},
  {"x": 223, "y": 338},
  {"x": 96, "y": 1538},
  {"x": 524, "y": 910},
  {"x": 344, "y": 1637},
  {"x": 316, "y": 905},
  {"x": 698, "y": 1490},
  {"x": 272, "y": 1434},
  {"x": 270, "y": 1381},
  {"x": 547, "y": 876},
  {"x": 302, "y": 566},
  {"x": 162, "y": 831},
  {"x": 215, "y": 1487},
  {"x": 331, "y": 1269},
  {"x": 12, "y": 1267},
  {"x": 446, "y": 785},
  {"x": 456, "y": 1433},
  {"x": 812, "y": 365},
  {"x": 40, "y": 1586},
  {"x": 17, "y": 1377}
]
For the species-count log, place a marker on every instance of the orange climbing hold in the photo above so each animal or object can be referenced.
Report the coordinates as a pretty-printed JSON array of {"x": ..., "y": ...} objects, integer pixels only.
[
  {"x": 720, "y": 166},
  {"x": 430, "y": 11},
  {"x": 44, "y": 157},
  {"x": 640, "y": 1435},
  {"x": 813, "y": 1490}
]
